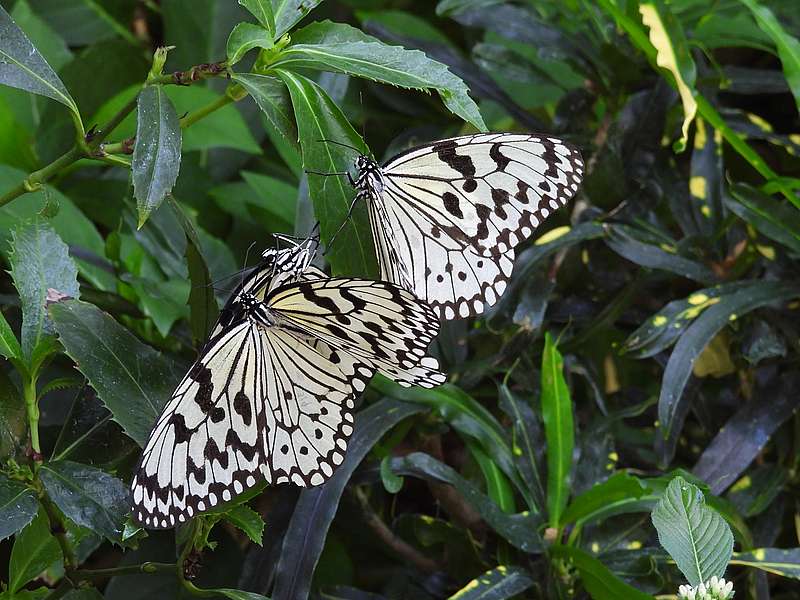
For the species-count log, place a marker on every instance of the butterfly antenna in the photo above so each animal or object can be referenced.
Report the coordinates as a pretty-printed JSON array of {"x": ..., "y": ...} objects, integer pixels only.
[
  {"x": 246, "y": 256},
  {"x": 340, "y": 144},
  {"x": 344, "y": 222}
]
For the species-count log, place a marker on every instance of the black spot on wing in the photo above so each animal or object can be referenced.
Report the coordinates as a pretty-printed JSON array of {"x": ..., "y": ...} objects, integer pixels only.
[
  {"x": 446, "y": 151},
  {"x": 497, "y": 156},
  {"x": 451, "y": 205}
]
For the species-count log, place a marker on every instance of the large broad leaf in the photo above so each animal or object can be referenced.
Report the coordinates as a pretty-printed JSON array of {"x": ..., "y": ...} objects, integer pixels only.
[
  {"x": 317, "y": 506},
  {"x": 289, "y": 13},
  {"x": 695, "y": 535},
  {"x": 133, "y": 380},
  {"x": 21, "y": 65},
  {"x": 157, "y": 154},
  {"x": 318, "y": 118},
  {"x": 559, "y": 430},
  {"x": 18, "y": 506},
  {"x": 88, "y": 496},
  {"x": 497, "y": 584},
  {"x": 35, "y": 549},
  {"x": 787, "y": 45},
  {"x": 598, "y": 580},
  {"x": 341, "y": 48},
  {"x": 700, "y": 333},
  {"x": 272, "y": 98},
  {"x": 40, "y": 261}
]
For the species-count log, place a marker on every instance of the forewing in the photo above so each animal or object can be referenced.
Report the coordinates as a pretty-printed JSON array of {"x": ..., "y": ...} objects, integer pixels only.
[
  {"x": 376, "y": 322},
  {"x": 205, "y": 447}
]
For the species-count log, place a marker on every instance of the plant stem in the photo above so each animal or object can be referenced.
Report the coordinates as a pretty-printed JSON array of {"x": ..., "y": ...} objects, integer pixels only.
[
  {"x": 32, "y": 409},
  {"x": 60, "y": 532},
  {"x": 204, "y": 111},
  {"x": 148, "y": 567},
  {"x": 35, "y": 180}
]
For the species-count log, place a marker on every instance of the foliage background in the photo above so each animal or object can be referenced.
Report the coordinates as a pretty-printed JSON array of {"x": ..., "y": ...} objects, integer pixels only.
[{"x": 669, "y": 289}]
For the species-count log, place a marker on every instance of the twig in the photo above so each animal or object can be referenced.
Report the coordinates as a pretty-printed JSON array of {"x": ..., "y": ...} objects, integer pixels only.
[
  {"x": 148, "y": 567},
  {"x": 58, "y": 530}
]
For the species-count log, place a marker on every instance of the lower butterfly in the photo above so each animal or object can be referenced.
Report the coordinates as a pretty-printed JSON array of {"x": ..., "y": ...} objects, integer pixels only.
[{"x": 272, "y": 395}]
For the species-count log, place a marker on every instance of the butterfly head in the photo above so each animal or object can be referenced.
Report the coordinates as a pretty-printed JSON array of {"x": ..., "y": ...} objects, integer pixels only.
[{"x": 369, "y": 178}]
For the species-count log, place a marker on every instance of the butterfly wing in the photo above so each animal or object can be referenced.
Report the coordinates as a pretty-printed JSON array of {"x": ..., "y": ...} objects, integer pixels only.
[
  {"x": 458, "y": 207},
  {"x": 206, "y": 445},
  {"x": 376, "y": 322}
]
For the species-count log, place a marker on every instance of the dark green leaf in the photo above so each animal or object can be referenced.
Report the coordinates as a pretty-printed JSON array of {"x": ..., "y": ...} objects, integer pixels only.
[
  {"x": 391, "y": 482},
  {"x": 344, "y": 49},
  {"x": 777, "y": 561},
  {"x": 700, "y": 333},
  {"x": 133, "y": 380},
  {"x": 13, "y": 419},
  {"x": 49, "y": 43},
  {"x": 450, "y": 8},
  {"x": 770, "y": 217},
  {"x": 620, "y": 487},
  {"x": 497, "y": 584},
  {"x": 261, "y": 10},
  {"x": 696, "y": 536},
  {"x": 289, "y": 13},
  {"x": 757, "y": 489},
  {"x": 85, "y": 22},
  {"x": 90, "y": 497},
  {"x": 22, "y": 67},
  {"x": 9, "y": 345},
  {"x": 317, "y": 506},
  {"x": 18, "y": 506},
  {"x": 248, "y": 520},
  {"x": 598, "y": 580},
  {"x": 497, "y": 485},
  {"x": 277, "y": 200},
  {"x": 34, "y": 551},
  {"x": 239, "y": 594},
  {"x": 157, "y": 154},
  {"x": 558, "y": 428},
  {"x": 318, "y": 118},
  {"x": 40, "y": 262},
  {"x": 272, "y": 98},
  {"x": 84, "y": 594},
  {"x": 245, "y": 37}
]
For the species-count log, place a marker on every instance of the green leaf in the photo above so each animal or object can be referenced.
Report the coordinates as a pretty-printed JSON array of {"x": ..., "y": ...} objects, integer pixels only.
[
  {"x": 318, "y": 118},
  {"x": 695, "y": 535},
  {"x": 9, "y": 345},
  {"x": 248, "y": 520},
  {"x": 672, "y": 53},
  {"x": 777, "y": 561},
  {"x": 239, "y": 594},
  {"x": 497, "y": 485},
  {"x": 34, "y": 551},
  {"x": 84, "y": 22},
  {"x": 88, "y": 496},
  {"x": 49, "y": 43},
  {"x": 392, "y": 483},
  {"x": 619, "y": 488},
  {"x": 261, "y": 10},
  {"x": 22, "y": 67},
  {"x": 40, "y": 262},
  {"x": 84, "y": 594},
  {"x": 701, "y": 332},
  {"x": 272, "y": 98},
  {"x": 314, "y": 511},
  {"x": 18, "y": 506},
  {"x": 558, "y": 428},
  {"x": 450, "y": 8},
  {"x": 497, "y": 584},
  {"x": 289, "y": 13},
  {"x": 157, "y": 154},
  {"x": 277, "y": 200},
  {"x": 341, "y": 48},
  {"x": 788, "y": 46},
  {"x": 245, "y": 37},
  {"x": 133, "y": 380},
  {"x": 13, "y": 419},
  {"x": 771, "y": 218},
  {"x": 598, "y": 580}
]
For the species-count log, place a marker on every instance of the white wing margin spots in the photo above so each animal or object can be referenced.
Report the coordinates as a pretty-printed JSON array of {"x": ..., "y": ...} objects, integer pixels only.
[
  {"x": 205, "y": 447},
  {"x": 376, "y": 322},
  {"x": 311, "y": 390},
  {"x": 492, "y": 189}
]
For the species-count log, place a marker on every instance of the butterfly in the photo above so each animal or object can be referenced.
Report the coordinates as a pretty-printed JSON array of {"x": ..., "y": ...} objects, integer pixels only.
[
  {"x": 271, "y": 396},
  {"x": 446, "y": 216}
]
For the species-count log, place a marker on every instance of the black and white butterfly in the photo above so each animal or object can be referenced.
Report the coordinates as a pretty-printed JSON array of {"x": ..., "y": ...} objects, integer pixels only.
[
  {"x": 446, "y": 216},
  {"x": 272, "y": 395}
]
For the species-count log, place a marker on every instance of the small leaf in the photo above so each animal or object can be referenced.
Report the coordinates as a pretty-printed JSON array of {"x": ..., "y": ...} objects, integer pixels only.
[
  {"x": 35, "y": 549},
  {"x": 18, "y": 506},
  {"x": 9, "y": 345},
  {"x": 243, "y": 38},
  {"x": 598, "y": 580},
  {"x": 695, "y": 535},
  {"x": 157, "y": 154},
  {"x": 40, "y": 262},
  {"x": 289, "y": 13},
  {"x": 272, "y": 98},
  {"x": 672, "y": 53},
  {"x": 788, "y": 46},
  {"x": 248, "y": 520},
  {"x": 392, "y": 483},
  {"x": 22, "y": 67},
  {"x": 133, "y": 380},
  {"x": 497, "y": 584},
  {"x": 261, "y": 10},
  {"x": 558, "y": 428},
  {"x": 88, "y": 496}
]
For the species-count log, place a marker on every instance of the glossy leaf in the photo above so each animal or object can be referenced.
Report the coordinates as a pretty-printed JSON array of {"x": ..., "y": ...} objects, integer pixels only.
[
  {"x": 771, "y": 218},
  {"x": 9, "y": 345},
  {"x": 289, "y": 13},
  {"x": 22, "y": 67},
  {"x": 40, "y": 262},
  {"x": 272, "y": 98},
  {"x": 261, "y": 10},
  {"x": 245, "y": 37},
  {"x": 247, "y": 520},
  {"x": 133, "y": 380},
  {"x": 496, "y": 584},
  {"x": 157, "y": 154},
  {"x": 598, "y": 580},
  {"x": 318, "y": 118},
  {"x": 695, "y": 535},
  {"x": 559, "y": 430},
  {"x": 777, "y": 561},
  {"x": 344, "y": 49},
  {"x": 18, "y": 506},
  {"x": 34, "y": 550},
  {"x": 619, "y": 488}
]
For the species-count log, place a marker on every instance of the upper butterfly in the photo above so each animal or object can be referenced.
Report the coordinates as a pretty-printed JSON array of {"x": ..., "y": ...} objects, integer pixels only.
[
  {"x": 446, "y": 216},
  {"x": 272, "y": 395}
]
